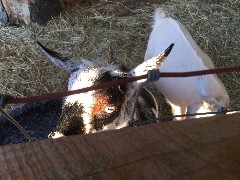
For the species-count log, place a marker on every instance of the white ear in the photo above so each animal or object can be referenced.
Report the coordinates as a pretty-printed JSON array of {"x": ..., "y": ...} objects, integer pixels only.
[{"x": 59, "y": 60}]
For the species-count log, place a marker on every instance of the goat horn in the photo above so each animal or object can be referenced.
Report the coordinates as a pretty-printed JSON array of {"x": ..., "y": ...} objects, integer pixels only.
[{"x": 164, "y": 54}]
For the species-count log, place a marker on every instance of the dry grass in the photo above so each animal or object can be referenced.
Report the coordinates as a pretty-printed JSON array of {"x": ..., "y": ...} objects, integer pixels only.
[{"x": 114, "y": 32}]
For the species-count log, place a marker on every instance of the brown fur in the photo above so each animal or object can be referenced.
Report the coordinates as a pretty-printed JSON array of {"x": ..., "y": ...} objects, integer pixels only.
[{"x": 100, "y": 103}]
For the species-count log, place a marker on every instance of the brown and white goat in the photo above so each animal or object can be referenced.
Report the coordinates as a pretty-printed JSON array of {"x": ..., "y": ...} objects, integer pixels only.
[{"x": 102, "y": 109}]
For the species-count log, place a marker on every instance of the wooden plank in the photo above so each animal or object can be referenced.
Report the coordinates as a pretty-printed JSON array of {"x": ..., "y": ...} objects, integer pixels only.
[
  {"x": 17, "y": 11},
  {"x": 3, "y": 14},
  {"x": 192, "y": 149},
  {"x": 33, "y": 11}
]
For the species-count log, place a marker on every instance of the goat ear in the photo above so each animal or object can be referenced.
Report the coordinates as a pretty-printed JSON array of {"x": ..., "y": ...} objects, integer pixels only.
[{"x": 60, "y": 60}]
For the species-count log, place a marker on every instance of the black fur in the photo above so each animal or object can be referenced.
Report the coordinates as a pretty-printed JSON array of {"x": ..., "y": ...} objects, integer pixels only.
[
  {"x": 53, "y": 53},
  {"x": 117, "y": 96},
  {"x": 71, "y": 122},
  {"x": 143, "y": 110},
  {"x": 39, "y": 119}
]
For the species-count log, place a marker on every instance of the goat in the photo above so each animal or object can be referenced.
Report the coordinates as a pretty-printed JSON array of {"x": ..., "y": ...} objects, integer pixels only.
[
  {"x": 190, "y": 94},
  {"x": 102, "y": 109},
  {"x": 84, "y": 113}
]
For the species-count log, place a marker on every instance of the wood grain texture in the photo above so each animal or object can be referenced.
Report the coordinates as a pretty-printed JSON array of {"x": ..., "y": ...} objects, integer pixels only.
[
  {"x": 34, "y": 11},
  {"x": 17, "y": 11},
  {"x": 3, "y": 14},
  {"x": 195, "y": 149}
]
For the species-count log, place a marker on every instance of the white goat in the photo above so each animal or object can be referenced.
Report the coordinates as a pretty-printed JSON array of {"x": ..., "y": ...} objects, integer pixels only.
[{"x": 191, "y": 94}]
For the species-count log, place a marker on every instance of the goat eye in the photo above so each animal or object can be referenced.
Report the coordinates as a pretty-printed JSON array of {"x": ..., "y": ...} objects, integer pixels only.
[{"x": 109, "y": 109}]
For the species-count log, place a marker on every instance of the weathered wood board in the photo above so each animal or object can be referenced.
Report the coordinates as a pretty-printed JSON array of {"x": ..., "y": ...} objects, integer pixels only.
[
  {"x": 3, "y": 14},
  {"x": 192, "y": 149},
  {"x": 32, "y": 11}
]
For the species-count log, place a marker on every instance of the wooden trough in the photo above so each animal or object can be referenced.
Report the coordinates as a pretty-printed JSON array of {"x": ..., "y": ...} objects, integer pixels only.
[{"x": 192, "y": 149}]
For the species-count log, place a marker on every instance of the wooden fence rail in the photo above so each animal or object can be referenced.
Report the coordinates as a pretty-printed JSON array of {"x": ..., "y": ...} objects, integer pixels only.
[{"x": 196, "y": 149}]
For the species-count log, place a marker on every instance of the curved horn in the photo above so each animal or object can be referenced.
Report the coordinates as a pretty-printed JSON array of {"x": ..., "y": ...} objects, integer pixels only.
[
  {"x": 164, "y": 54},
  {"x": 153, "y": 63}
]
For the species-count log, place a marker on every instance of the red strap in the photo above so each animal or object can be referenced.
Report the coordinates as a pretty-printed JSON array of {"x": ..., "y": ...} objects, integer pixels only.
[
  {"x": 105, "y": 85},
  {"x": 56, "y": 95},
  {"x": 202, "y": 72}
]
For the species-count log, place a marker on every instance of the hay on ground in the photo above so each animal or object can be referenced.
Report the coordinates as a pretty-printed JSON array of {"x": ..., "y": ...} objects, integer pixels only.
[{"x": 114, "y": 32}]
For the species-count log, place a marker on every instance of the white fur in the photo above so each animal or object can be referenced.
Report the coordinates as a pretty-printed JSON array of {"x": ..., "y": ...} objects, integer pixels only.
[
  {"x": 79, "y": 80},
  {"x": 82, "y": 79},
  {"x": 84, "y": 73},
  {"x": 55, "y": 135},
  {"x": 182, "y": 93}
]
